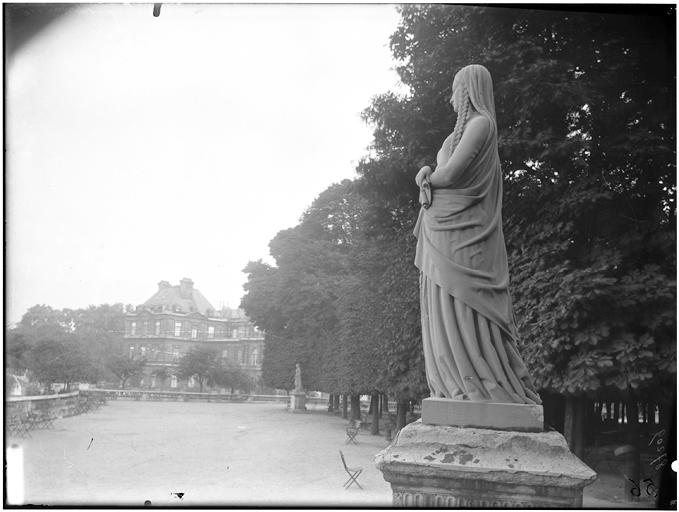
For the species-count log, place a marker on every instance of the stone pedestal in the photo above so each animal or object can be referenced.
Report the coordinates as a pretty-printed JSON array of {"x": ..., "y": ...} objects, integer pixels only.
[
  {"x": 298, "y": 401},
  {"x": 448, "y": 466},
  {"x": 459, "y": 413}
]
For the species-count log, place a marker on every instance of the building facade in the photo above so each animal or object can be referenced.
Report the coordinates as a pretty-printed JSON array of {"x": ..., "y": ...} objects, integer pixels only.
[{"x": 179, "y": 318}]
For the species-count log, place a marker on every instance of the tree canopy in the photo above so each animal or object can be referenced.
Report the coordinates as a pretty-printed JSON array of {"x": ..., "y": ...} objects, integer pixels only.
[
  {"x": 586, "y": 120},
  {"x": 66, "y": 345}
]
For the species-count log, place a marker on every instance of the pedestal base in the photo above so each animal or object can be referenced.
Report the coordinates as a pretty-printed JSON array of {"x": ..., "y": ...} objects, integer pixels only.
[
  {"x": 298, "y": 402},
  {"x": 442, "y": 466}
]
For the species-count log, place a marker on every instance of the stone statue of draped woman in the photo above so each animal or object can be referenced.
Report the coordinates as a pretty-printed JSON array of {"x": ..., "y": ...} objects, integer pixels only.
[{"x": 468, "y": 327}]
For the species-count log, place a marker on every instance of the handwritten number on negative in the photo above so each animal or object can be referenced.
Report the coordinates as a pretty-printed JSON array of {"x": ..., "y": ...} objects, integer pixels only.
[{"x": 636, "y": 490}]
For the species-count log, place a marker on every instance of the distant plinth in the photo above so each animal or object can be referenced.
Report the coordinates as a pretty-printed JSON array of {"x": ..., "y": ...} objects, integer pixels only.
[
  {"x": 482, "y": 455},
  {"x": 298, "y": 401}
]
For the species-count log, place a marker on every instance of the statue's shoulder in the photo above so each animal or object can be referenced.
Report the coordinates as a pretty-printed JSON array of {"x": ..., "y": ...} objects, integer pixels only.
[
  {"x": 477, "y": 126},
  {"x": 478, "y": 120}
]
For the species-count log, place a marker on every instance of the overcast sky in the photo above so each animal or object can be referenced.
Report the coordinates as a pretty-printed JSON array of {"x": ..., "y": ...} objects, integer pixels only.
[{"x": 142, "y": 149}]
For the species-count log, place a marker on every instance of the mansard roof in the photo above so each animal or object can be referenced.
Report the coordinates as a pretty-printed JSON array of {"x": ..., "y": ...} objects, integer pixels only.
[{"x": 182, "y": 297}]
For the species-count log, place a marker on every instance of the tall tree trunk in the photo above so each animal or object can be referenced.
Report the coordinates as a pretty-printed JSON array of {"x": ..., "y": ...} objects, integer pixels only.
[
  {"x": 356, "y": 407},
  {"x": 633, "y": 466},
  {"x": 331, "y": 402},
  {"x": 401, "y": 409},
  {"x": 574, "y": 425},
  {"x": 337, "y": 404},
  {"x": 579, "y": 428},
  {"x": 345, "y": 406},
  {"x": 569, "y": 421},
  {"x": 375, "y": 404}
]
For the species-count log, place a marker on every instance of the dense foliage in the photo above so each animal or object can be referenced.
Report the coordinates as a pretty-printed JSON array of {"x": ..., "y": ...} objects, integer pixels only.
[
  {"x": 586, "y": 116},
  {"x": 207, "y": 367},
  {"x": 68, "y": 345}
]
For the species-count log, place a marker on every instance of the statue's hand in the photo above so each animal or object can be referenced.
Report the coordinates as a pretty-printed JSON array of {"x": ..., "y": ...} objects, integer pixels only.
[{"x": 422, "y": 175}]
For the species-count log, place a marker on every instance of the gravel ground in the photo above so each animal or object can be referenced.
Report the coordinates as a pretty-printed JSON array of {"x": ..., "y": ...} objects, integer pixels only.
[{"x": 128, "y": 452}]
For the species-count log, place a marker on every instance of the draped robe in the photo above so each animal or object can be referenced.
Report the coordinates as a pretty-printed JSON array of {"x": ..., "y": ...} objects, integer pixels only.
[{"x": 468, "y": 327}]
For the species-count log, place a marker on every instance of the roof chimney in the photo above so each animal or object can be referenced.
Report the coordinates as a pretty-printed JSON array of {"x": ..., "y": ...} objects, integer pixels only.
[
  {"x": 186, "y": 287},
  {"x": 162, "y": 285}
]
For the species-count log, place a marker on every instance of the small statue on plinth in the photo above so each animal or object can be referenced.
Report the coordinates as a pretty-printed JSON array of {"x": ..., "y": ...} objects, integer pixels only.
[
  {"x": 298, "y": 397},
  {"x": 298, "y": 378}
]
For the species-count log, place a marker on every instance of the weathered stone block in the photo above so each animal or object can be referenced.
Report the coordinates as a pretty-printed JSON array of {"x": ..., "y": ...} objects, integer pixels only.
[
  {"x": 464, "y": 413},
  {"x": 432, "y": 466}
]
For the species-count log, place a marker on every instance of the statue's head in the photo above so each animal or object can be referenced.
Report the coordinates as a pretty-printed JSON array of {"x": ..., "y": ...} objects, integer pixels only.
[{"x": 474, "y": 84}]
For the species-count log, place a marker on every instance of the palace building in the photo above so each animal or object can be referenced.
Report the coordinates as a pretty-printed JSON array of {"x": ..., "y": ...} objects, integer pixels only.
[{"x": 178, "y": 318}]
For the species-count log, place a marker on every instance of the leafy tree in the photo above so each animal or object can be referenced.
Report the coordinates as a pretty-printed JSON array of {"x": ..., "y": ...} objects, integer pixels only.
[
  {"x": 588, "y": 155},
  {"x": 229, "y": 375},
  {"x": 586, "y": 115},
  {"x": 92, "y": 336},
  {"x": 199, "y": 362},
  {"x": 296, "y": 301},
  {"x": 125, "y": 368},
  {"x": 162, "y": 374}
]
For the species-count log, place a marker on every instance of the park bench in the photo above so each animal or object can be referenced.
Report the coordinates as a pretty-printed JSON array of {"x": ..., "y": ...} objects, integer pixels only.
[{"x": 352, "y": 472}]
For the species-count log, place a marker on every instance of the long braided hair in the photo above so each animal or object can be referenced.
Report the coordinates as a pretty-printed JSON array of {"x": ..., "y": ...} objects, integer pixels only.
[{"x": 476, "y": 88}]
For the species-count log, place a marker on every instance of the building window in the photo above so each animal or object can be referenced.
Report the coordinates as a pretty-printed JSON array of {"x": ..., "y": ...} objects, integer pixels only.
[
  {"x": 173, "y": 381},
  {"x": 255, "y": 357},
  {"x": 131, "y": 351},
  {"x": 175, "y": 353},
  {"x": 177, "y": 329},
  {"x": 157, "y": 327},
  {"x": 211, "y": 332},
  {"x": 143, "y": 351},
  {"x": 225, "y": 354},
  {"x": 194, "y": 332},
  {"x": 153, "y": 381},
  {"x": 244, "y": 356},
  {"x": 133, "y": 329},
  {"x": 234, "y": 333}
]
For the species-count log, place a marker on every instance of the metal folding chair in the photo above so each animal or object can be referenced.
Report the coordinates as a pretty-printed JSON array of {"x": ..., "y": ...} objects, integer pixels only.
[
  {"x": 352, "y": 472},
  {"x": 17, "y": 425},
  {"x": 352, "y": 431}
]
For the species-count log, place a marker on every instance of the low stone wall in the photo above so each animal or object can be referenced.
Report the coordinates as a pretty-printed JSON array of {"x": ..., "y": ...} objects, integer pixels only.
[
  {"x": 185, "y": 396},
  {"x": 60, "y": 405}
]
